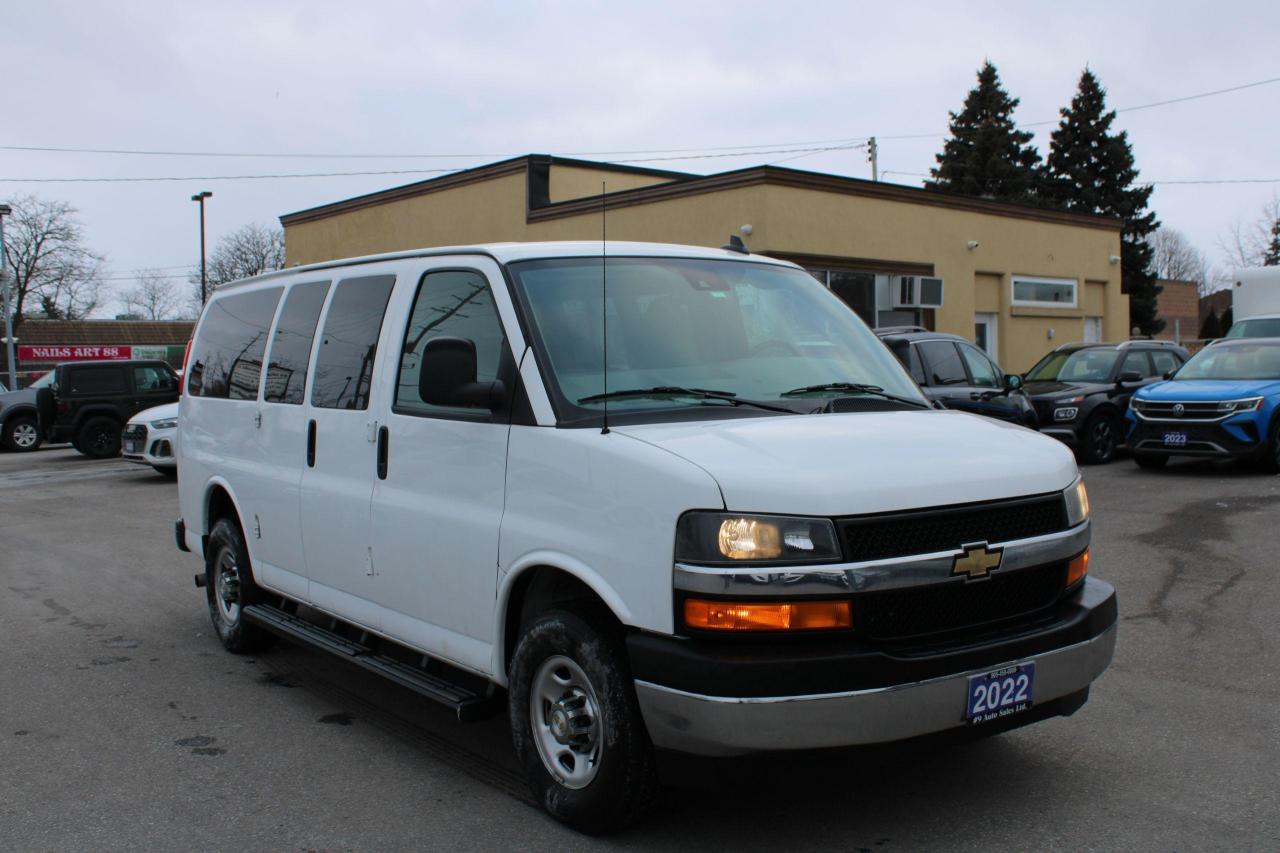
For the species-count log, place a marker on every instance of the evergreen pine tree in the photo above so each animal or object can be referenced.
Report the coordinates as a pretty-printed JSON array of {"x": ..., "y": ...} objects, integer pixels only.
[
  {"x": 1091, "y": 170},
  {"x": 987, "y": 155},
  {"x": 1271, "y": 257},
  {"x": 1211, "y": 328}
]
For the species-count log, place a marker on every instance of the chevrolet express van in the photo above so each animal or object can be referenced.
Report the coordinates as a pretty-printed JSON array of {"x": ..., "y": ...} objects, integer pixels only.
[{"x": 649, "y": 497}]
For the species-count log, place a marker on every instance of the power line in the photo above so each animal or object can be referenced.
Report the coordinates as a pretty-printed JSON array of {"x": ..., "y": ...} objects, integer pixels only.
[{"x": 141, "y": 179}]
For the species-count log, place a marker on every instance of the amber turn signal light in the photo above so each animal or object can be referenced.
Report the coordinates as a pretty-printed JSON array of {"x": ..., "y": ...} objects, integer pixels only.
[
  {"x": 749, "y": 616},
  {"x": 1078, "y": 568}
]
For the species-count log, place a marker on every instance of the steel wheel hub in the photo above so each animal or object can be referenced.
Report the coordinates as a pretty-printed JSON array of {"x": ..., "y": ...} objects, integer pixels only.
[
  {"x": 227, "y": 586},
  {"x": 565, "y": 717}
]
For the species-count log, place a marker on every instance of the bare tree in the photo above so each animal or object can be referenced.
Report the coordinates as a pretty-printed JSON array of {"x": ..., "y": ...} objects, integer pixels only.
[
  {"x": 1250, "y": 244},
  {"x": 245, "y": 252},
  {"x": 51, "y": 266},
  {"x": 1176, "y": 259},
  {"x": 152, "y": 298}
]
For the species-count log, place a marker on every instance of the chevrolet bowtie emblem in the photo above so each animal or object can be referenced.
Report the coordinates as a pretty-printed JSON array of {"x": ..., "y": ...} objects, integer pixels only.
[{"x": 976, "y": 561}]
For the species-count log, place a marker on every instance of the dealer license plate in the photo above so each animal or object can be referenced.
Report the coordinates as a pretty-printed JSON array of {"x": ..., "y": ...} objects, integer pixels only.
[
  {"x": 1001, "y": 692},
  {"x": 1175, "y": 439},
  {"x": 131, "y": 447}
]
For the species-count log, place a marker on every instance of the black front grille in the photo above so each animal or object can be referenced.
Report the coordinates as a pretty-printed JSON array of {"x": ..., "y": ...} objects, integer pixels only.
[
  {"x": 135, "y": 431},
  {"x": 880, "y": 537},
  {"x": 955, "y": 605}
]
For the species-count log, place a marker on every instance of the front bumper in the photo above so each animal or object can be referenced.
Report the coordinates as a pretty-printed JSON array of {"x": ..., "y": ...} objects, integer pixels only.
[
  {"x": 147, "y": 446},
  {"x": 729, "y": 698},
  {"x": 1063, "y": 431},
  {"x": 1241, "y": 436}
]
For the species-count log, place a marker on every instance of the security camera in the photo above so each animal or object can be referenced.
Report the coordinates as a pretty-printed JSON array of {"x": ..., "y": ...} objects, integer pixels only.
[
  {"x": 971, "y": 245},
  {"x": 746, "y": 230},
  {"x": 1115, "y": 259}
]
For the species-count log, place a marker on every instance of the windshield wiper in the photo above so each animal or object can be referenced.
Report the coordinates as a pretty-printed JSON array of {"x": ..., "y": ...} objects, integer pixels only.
[
  {"x": 857, "y": 387},
  {"x": 676, "y": 391}
]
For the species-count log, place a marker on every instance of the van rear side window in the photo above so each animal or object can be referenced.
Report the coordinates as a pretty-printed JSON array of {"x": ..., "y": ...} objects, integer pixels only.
[
  {"x": 291, "y": 347},
  {"x": 344, "y": 365},
  {"x": 226, "y": 358}
]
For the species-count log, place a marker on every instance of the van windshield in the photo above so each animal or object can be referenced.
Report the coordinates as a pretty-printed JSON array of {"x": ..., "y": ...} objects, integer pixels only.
[
  {"x": 742, "y": 330},
  {"x": 1260, "y": 327}
]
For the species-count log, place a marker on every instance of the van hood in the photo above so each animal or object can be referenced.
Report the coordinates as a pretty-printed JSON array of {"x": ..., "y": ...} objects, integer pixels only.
[{"x": 850, "y": 464}]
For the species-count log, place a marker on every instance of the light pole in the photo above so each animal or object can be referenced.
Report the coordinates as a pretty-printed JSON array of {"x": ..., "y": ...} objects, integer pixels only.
[
  {"x": 5, "y": 210},
  {"x": 200, "y": 197}
]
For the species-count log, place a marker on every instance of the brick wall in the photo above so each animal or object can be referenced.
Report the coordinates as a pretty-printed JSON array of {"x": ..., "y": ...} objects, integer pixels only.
[{"x": 1179, "y": 306}]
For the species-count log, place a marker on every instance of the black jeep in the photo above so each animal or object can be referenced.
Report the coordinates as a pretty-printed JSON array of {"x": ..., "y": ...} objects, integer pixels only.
[{"x": 86, "y": 403}]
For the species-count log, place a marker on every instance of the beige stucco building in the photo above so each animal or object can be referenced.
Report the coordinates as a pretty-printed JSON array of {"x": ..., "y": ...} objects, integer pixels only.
[{"x": 1018, "y": 280}]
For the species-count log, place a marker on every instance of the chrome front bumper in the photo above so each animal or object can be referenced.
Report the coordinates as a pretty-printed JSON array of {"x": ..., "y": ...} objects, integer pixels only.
[{"x": 723, "y": 725}]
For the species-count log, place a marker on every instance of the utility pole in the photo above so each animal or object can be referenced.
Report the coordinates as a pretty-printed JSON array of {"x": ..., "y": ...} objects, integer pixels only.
[
  {"x": 872, "y": 155},
  {"x": 204, "y": 287},
  {"x": 5, "y": 210}
]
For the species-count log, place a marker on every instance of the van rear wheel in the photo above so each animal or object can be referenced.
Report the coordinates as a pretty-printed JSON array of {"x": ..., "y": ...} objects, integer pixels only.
[
  {"x": 576, "y": 724},
  {"x": 229, "y": 588}
]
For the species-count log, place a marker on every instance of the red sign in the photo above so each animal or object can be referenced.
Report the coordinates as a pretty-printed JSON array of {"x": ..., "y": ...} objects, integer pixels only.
[{"x": 74, "y": 353}]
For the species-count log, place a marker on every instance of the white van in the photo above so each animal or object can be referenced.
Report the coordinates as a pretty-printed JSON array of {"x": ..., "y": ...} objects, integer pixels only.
[{"x": 654, "y": 497}]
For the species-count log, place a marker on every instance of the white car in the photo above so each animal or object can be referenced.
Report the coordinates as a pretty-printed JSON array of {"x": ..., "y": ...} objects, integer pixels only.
[
  {"x": 150, "y": 438},
  {"x": 652, "y": 496}
]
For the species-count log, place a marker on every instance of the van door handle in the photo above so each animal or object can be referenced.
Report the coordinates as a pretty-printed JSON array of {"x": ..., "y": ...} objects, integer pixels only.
[
  {"x": 384, "y": 441},
  {"x": 311, "y": 444}
]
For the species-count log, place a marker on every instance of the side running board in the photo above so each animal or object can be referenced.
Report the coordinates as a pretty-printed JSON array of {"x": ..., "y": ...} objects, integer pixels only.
[{"x": 468, "y": 705}]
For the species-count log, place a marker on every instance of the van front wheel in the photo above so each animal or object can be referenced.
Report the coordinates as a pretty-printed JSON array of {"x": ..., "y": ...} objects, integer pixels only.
[{"x": 576, "y": 724}]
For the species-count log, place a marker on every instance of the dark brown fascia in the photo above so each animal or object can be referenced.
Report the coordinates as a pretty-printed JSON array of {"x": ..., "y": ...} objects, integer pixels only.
[
  {"x": 531, "y": 164},
  {"x": 777, "y": 176},
  {"x": 839, "y": 262}
]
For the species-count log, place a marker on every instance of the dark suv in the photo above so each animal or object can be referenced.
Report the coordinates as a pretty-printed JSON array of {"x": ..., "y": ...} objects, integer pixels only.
[
  {"x": 955, "y": 373},
  {"x": 86, "y": 403},
  {"x": 1081, "y": 391}
]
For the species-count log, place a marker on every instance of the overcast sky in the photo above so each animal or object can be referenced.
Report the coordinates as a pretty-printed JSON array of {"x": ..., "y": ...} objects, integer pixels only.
[{"x": 493, "y": 80}]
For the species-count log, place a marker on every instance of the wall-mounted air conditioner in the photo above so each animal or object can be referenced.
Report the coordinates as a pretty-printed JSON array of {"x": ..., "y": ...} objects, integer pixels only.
[{"x": 915, "y": 291}]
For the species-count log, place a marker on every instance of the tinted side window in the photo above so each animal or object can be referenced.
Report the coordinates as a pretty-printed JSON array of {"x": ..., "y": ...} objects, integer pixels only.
[
  {"x": 980, "y": 367},
  {"x": 291, "y": 348},
  {"x": 1165, "y": 362},
  {"x": 1136, "y": 361},
  {"x": 456, "y": 304},
  {"x": 916, "y": 366},
  {"x": 944, "y": 363},
  {"x": 152, "y": 378},
  {"x": 344, "y": 365},
  {"x": 226, "y": 358},
  {"x": 107, "y": 379}
]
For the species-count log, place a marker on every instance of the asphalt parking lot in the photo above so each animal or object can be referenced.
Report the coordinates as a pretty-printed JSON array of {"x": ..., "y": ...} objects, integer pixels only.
[{"x": 123, "y": 724}]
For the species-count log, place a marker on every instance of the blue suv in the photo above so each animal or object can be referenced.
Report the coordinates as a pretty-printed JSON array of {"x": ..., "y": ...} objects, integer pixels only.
[{"x": 1224, "y": 402}]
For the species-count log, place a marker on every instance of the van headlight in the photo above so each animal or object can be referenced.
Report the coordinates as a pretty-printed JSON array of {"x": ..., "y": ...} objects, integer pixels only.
[
  {"x": 720, "y": 537},
  {"x": 1077, "y": 503}
]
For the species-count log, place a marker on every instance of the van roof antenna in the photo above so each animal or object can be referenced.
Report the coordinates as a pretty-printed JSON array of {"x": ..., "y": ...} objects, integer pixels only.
[
  {"x": 735, "y": 244},
  {"x": 604, "y": 311}
]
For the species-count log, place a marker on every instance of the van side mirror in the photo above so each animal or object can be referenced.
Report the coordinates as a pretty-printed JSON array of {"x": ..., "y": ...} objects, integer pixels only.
[
  {"x": 448, "y": 376},
  {"x": 1012, "y": 382}
]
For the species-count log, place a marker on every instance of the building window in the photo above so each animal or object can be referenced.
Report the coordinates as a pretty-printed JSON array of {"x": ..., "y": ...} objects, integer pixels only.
[
  {"x": 855, "y": 289},
  {"x": 1044, "y": 292}
]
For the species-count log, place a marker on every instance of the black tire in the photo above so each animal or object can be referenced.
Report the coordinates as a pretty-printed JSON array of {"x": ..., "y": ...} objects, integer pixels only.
[
  {"x": 229, "y": 586},
  {"x": 1269, "y": 460},
  {"x": 1151, "y": 460},
  {"x": 1099, "y": 438},
  {"x": 170, "y": 471},
  {"x": 623, "y": 780},
  {"x": 99, "y": 437},
  {"x": 22, "y": 434}
]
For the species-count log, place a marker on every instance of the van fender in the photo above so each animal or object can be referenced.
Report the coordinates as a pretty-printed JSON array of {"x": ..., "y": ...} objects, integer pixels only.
[
  {"x": 210, "y": 484},
  {"x": 555, "y": 560}
]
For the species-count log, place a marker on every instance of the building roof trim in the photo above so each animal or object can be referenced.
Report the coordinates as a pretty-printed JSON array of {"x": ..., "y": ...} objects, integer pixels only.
[
  {"x": 781, "y": 176},
  {"x": 516, "y": 165}
]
